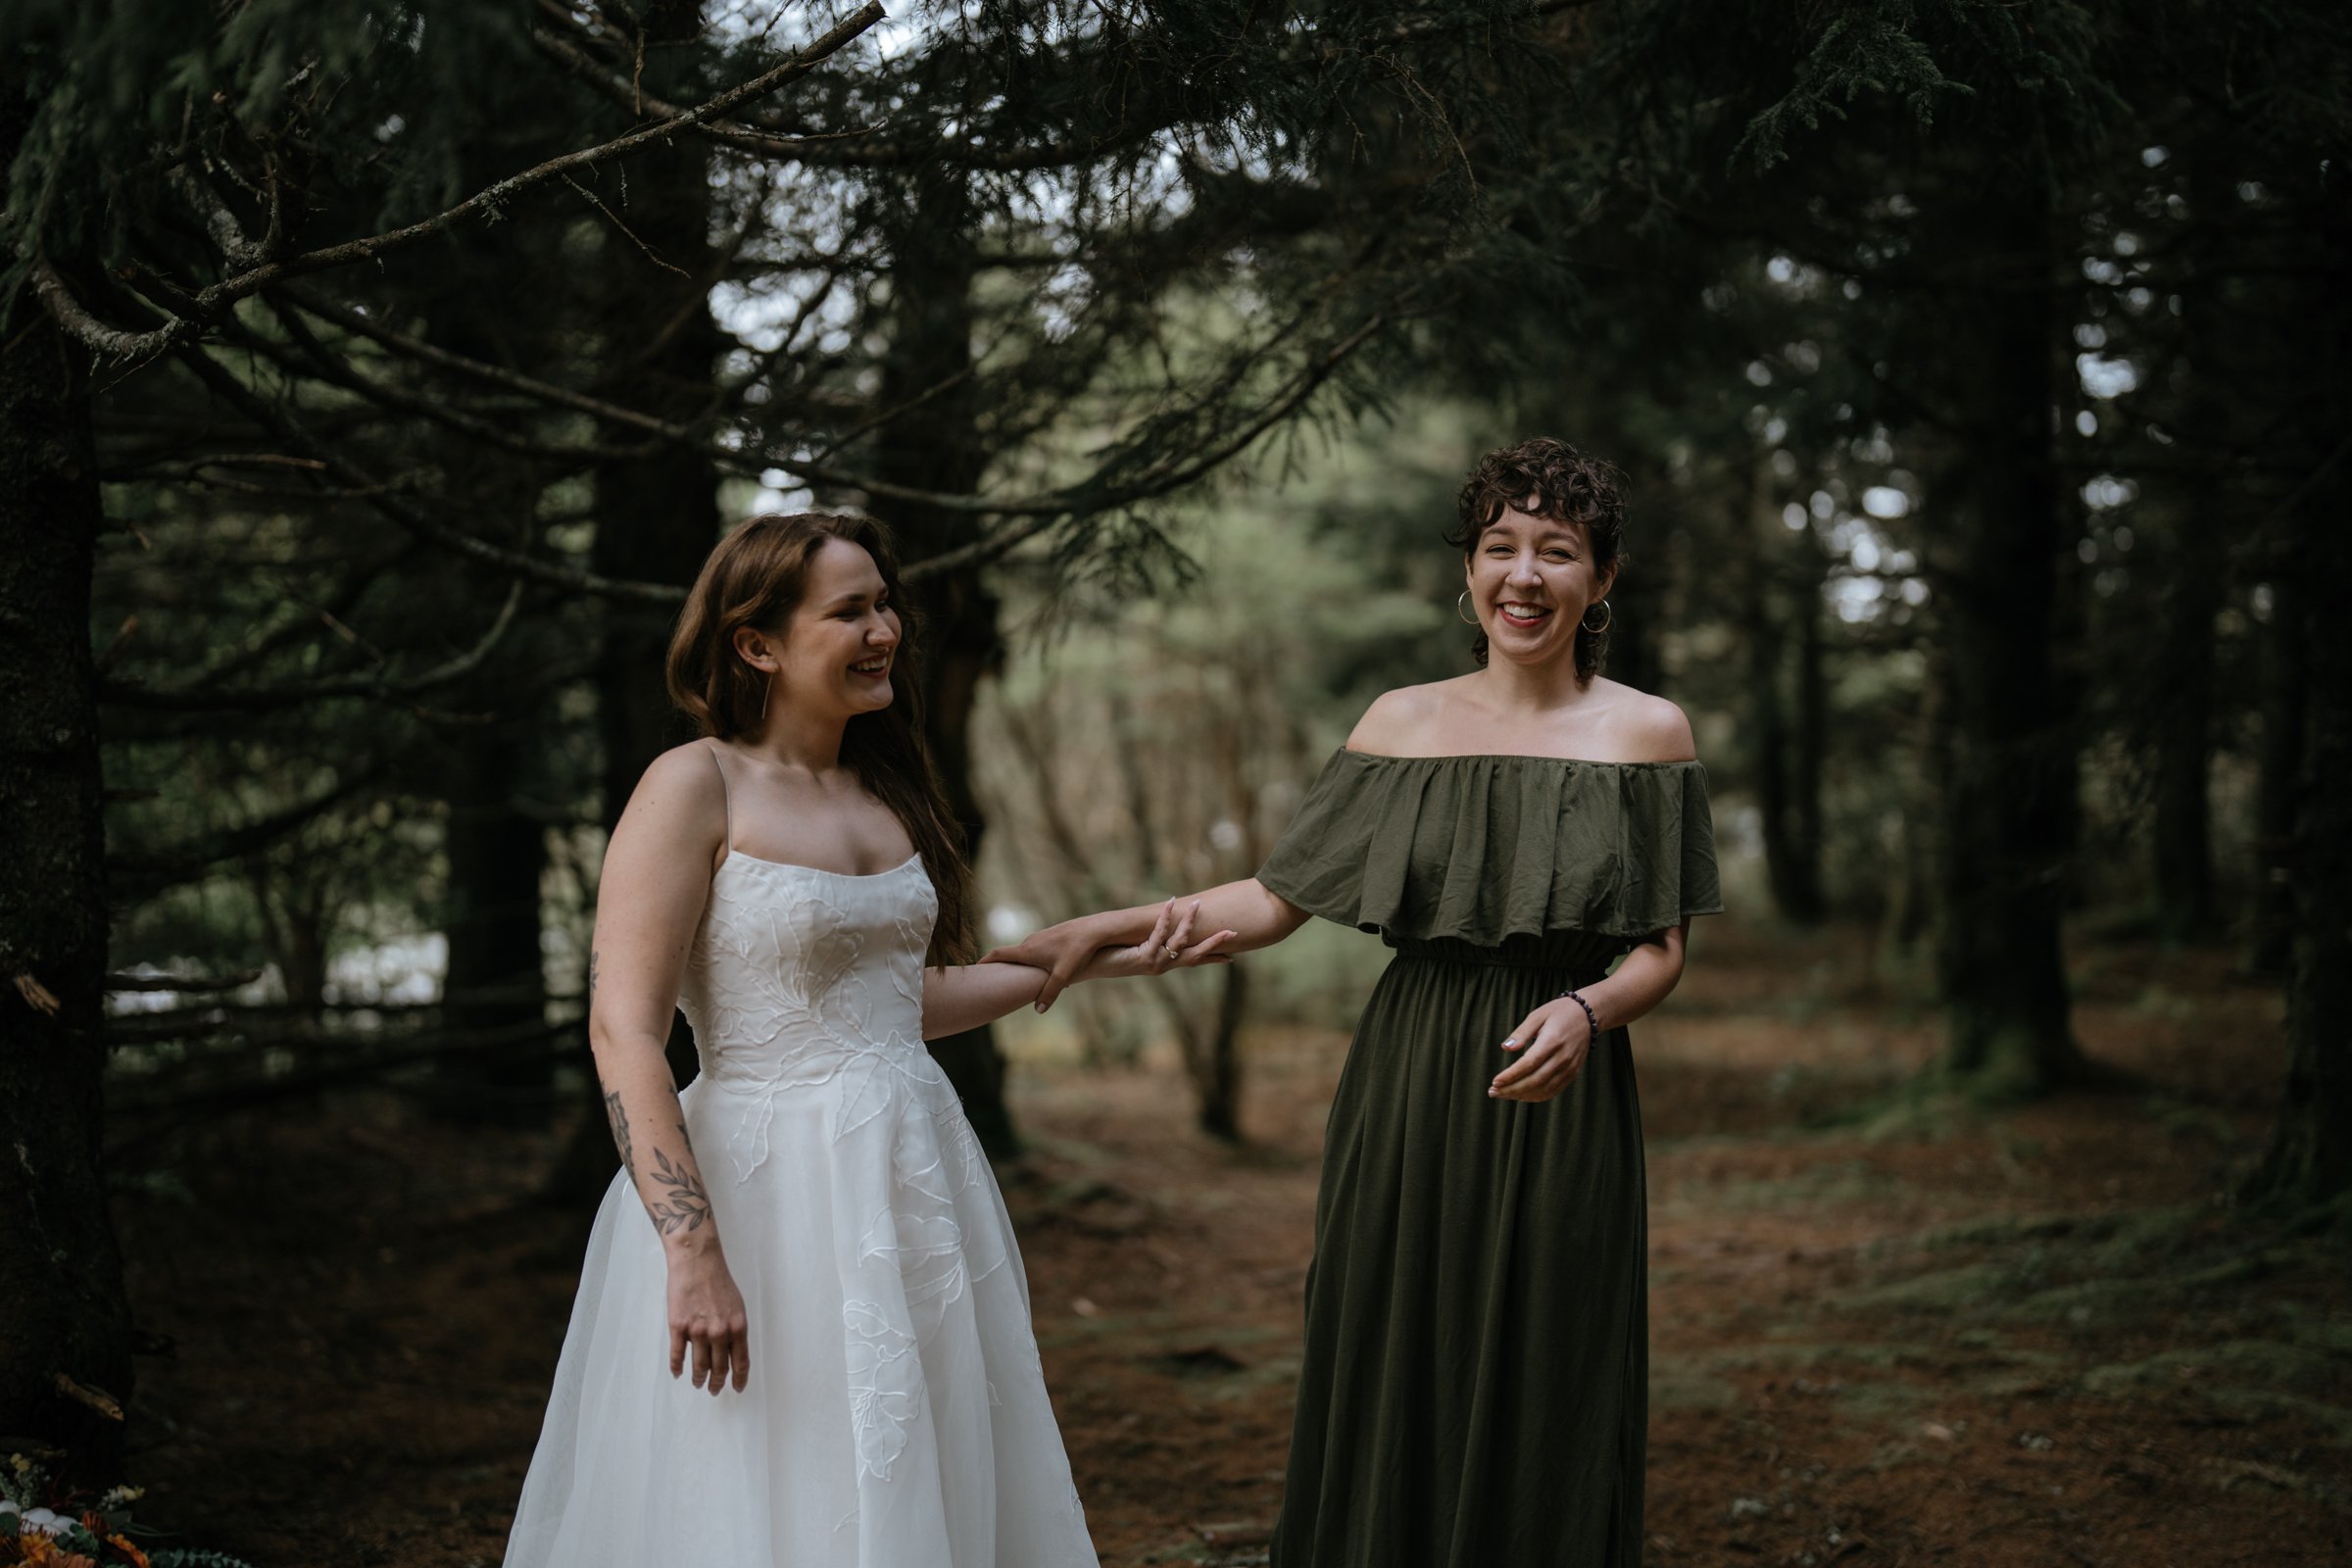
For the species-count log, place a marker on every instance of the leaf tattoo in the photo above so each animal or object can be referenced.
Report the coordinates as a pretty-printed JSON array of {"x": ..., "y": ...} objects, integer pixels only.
[
  {"x": 619, "y": 1119},
  {"x": 591, "y": 974},
  {"x": 685, "y": 1205}
]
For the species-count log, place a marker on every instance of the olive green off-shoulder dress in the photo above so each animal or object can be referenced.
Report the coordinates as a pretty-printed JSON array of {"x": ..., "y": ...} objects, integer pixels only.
[{"x": 1474, "y": 1391}]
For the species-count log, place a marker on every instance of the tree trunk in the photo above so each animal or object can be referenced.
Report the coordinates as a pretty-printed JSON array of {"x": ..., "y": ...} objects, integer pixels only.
[
  {"x": 493, "y": 980},
  {"x": 936, "y": 446},
  {"x": 2278, "y": 785},
  {"x": 1810, "y": 754},
  {"x": 2008, "y": 807},
  {"x": 65, "y": 1321},
  {"x": 1217, "y": 1076},
  {"x": 2183, "y": 691},
  {"x": 657, "y": 515},
  {"x": 2310, "y": 1154},
  {"x": 1787, "y": 756},
  {"x": 496, "y": 853}
]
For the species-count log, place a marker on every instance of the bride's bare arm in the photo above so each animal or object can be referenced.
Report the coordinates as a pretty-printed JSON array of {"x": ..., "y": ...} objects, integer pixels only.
[
  {"x": 967, "y": 997},
  {"x": 657, "y": 877},
  {"x": 1255, "y": 916}
]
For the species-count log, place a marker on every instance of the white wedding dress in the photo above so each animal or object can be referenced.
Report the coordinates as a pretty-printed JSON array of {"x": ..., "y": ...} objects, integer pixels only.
[{"x": 896, "y": 1415}]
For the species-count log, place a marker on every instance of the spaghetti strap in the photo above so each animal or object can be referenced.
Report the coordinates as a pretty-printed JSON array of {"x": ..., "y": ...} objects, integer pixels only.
[{"x": 726, "y": 802}]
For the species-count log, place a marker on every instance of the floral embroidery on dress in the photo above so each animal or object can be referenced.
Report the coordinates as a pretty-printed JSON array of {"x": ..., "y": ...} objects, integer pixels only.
[{"x": 886, "y": 1386}]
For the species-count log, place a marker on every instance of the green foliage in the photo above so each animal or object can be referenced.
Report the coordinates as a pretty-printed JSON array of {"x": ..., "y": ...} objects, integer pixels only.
[
  {"x": 373, "y": 101},
  {"x": 1852, "y": 56}
]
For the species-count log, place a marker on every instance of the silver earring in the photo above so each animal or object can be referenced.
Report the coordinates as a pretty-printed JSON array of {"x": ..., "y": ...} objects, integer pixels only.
[
  {"x": 1461, "y": 608},
  {"x": 1606, "y": 616}
]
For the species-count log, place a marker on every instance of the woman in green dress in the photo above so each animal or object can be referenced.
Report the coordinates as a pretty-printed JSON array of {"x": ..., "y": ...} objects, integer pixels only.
[{"x": 1474, "y": 1387}]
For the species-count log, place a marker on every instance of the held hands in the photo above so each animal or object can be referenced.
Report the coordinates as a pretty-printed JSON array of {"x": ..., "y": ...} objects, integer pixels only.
[
  {"x": 707, "y": 1312},
  {"x": 1166, "y": 948},
  {"x": 1075, "y": 950},
  {"x": 1552, "y": 1047}
]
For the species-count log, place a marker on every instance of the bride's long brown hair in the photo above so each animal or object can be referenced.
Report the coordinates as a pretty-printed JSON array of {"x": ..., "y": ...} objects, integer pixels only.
[{"x": 757, "y": 577}]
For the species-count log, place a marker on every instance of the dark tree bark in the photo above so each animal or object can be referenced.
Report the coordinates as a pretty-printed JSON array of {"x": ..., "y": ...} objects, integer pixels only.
[
  {"x": 2183, "y": 692},
  {"x": 1787, "y": 749},
  {"x": 496, "y": 853},
  {"x": 2008, "y": 801},
  {"x": 2278, "y": 781},
  {"x": 495, "y": 980},
  {"x": 2310, "y": 1154},
  {"x": 65, "y": 1322},
  {"x": 937, "y": 446},
  {"x": 1219, "y": 1074}
]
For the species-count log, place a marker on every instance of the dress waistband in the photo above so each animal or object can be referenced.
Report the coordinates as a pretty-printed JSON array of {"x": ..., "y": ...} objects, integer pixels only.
[{"x": 1575, "y": 956}]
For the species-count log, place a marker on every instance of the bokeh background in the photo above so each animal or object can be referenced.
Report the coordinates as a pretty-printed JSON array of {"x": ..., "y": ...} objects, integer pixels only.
[{"x": 375, "y": 377}]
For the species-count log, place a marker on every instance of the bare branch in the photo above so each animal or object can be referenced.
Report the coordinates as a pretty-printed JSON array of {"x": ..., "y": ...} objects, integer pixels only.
[{"x": 110, "y": 344}]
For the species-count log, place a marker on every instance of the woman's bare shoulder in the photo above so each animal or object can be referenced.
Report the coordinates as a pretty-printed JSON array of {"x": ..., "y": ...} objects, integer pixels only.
[
  {"x": 681, "y": 795},
  {"x": 1647, "y": 729},
  {"x": 1393, "y": 724}
]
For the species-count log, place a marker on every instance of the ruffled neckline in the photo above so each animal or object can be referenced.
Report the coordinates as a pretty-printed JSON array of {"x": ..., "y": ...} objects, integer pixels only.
[{"x": 1489, "y": 847}]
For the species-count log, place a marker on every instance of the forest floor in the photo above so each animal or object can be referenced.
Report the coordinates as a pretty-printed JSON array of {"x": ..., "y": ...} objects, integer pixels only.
[{"x": 1883, "y": 1332}]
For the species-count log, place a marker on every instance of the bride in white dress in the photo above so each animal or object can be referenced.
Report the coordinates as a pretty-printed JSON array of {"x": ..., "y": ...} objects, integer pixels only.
[{"x": 849, "y": 1381}]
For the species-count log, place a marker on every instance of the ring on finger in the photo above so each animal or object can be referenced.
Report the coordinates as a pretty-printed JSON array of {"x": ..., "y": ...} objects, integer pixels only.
[{"x": 1171, "y": 950}]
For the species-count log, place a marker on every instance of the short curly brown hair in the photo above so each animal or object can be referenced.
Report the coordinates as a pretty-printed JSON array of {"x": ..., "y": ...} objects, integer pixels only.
[{"x": 1549, "y": 478}]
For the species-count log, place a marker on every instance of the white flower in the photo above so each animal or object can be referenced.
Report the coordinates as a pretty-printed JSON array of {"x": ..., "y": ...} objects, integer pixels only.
[{"x": 46, "y": 1523}]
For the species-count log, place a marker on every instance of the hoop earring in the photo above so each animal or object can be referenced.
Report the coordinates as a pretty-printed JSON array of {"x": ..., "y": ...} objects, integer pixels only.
[
  {"x": 1607, "y": 615},
  {"x": 1461, "y": 608}
]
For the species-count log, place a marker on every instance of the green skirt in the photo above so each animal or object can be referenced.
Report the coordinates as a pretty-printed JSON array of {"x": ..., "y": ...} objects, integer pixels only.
[{"x": 1474, "y": 1392}]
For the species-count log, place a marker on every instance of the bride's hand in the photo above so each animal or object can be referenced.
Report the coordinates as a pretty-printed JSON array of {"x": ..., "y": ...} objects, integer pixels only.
[
  {"x": 1170, "y": 946},
  {"x": 1061, "y": 951},
  {"x": 707, "y": 1312},
  {"x": 1075, "y": 950}
]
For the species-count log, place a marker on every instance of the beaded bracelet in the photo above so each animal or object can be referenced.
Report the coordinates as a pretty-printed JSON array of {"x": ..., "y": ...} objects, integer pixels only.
[{"x": 1591, "y": 1018}]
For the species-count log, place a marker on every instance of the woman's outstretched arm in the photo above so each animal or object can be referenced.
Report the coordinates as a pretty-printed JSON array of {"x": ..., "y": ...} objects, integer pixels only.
[
  {"x": 657, "y": 877},
  {"x": 1252, "y": 915},
  {"x": 970, "y": 994}
]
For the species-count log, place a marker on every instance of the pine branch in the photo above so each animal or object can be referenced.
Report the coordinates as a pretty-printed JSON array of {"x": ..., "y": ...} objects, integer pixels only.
[{"x": 208, "y": 305}]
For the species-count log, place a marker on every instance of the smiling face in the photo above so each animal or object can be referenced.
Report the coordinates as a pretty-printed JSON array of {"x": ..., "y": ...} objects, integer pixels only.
[
  {"x": 832, "y": 657},
  {"x": 1531, "y": 581}
]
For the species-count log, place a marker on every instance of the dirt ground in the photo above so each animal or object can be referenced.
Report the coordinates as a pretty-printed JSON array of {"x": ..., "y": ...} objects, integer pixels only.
[{"x": 1883, "y": 1332}]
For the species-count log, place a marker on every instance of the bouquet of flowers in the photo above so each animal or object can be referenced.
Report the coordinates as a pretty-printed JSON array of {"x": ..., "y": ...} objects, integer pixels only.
[{"x": 42, "y": 1524}]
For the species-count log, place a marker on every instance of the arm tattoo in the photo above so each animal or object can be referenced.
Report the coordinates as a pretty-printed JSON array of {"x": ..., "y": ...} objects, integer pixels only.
[
  {"x": 619, "y": 1119},
  {"x": 591, "y": 974},
  {"x": 685, "y": 1204}
]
